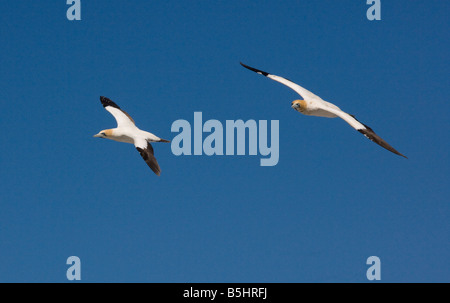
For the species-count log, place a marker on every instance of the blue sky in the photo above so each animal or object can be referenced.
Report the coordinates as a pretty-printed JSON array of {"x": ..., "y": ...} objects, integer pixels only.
[{"x": 334, "y": 198}]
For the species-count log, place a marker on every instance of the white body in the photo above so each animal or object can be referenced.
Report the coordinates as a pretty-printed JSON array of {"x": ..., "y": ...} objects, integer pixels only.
[
  {"x": 313, "y": 105},
  {"x": 132, "y": 135},
  {"x": 127, "y": 132},
  {"x": 316, "y": 106}
]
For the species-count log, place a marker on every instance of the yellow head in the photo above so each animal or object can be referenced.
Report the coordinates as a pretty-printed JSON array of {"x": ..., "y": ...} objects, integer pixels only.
[
  {"x": 104, "y": 133},
  {"x": 299, "y": 105}
]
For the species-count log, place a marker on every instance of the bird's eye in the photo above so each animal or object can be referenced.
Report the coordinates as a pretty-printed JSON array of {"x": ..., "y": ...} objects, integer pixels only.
[{"x": 103, "y": 134}]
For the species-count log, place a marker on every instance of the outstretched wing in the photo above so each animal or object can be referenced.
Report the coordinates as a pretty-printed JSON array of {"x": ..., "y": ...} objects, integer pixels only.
[
  {"x": 122, "y": 118},
  {"x": 330, "y": 108},
  {"x": 362, "y": 128},
  {"x": 146, "y": 150},
  {"x": 306, "y": 94}
]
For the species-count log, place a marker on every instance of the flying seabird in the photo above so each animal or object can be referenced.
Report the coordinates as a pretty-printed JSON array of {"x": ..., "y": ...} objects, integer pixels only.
[
  {"x": 313, "y": 105},
  {"x": 128, "y": 132}
]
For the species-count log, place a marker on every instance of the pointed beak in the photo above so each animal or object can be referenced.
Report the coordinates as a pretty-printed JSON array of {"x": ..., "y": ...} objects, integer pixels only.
[{"x": 97, "y": 136}]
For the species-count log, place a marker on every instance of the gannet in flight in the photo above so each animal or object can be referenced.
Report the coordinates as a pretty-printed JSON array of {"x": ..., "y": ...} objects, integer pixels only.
[
  {"x": 313, "y": 105},
  {"x": 128, "y": 132}
]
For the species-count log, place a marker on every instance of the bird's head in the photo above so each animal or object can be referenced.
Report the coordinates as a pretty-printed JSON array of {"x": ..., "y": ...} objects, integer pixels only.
[
  {"x": 103, "y": 134},
  {"x": 299, "y": 105}
]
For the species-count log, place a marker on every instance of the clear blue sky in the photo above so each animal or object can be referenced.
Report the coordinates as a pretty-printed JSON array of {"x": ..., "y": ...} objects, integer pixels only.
[{"x": 333, "y": 200}]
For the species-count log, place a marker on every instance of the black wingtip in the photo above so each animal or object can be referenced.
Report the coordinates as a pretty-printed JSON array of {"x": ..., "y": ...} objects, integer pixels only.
[
  {"x": 370, "y": 134},
  {"x": 254, "y": 69},
  {"x": 108, "y": 102},
  {"x": 149, "y": 158}
]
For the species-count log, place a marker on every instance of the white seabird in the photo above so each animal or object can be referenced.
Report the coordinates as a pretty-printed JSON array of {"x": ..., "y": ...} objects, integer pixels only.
[
  {"x": 313, "y": 105},
  {"x": 128, "y": 132}
]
